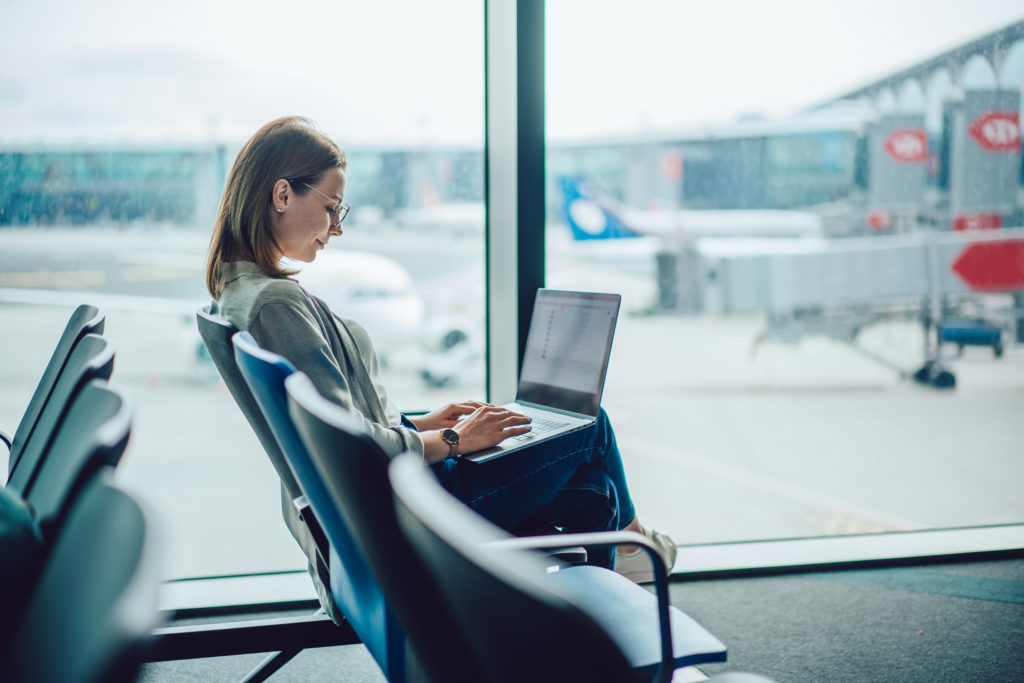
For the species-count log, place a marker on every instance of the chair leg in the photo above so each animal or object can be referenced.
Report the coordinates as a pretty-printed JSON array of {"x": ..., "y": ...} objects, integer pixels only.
[
  {"x": 270, "y": 665},
  {"x": 274, "y": 661}
]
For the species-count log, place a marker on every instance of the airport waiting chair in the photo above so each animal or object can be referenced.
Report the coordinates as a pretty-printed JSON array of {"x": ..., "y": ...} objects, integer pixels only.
[
  {"x": 92, "y": 358},
  {"x": 89, "y": 618},
  {"x": 93, "y": 435},
  {"x": 353, "y": 586},
  {"x": 353, "y": 468},
  {"x": 580, "y": 623},
  {"x": 85, "y": 320},
  {"x": 302, "y": 523}
]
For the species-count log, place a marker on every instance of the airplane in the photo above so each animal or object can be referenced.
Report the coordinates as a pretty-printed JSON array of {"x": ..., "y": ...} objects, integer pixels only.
[
  {"x": 592, "y": 215},
  {"x": 370, "y": 288},
  {"x": 459, "y": 218}
]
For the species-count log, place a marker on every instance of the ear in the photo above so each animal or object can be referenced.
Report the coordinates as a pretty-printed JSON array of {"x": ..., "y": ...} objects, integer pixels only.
[{"x": 280, "y": 195}]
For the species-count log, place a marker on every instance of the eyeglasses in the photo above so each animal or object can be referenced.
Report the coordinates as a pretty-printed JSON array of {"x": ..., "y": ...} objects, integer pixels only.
[{"x": 340, "y": 209}]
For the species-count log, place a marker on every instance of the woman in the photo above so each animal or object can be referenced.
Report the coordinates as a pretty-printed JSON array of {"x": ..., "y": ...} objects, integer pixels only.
[{"x": 284, "y": 198}]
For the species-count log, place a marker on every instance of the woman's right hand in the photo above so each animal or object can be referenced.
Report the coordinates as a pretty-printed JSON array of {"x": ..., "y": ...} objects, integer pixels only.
[{"x": 488, "y": 426}]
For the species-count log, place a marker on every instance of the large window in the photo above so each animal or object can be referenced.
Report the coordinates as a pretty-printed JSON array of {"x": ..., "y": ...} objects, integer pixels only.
[
  {"x": 760, "y": 380},
  {"x": 117, "y": 129}
]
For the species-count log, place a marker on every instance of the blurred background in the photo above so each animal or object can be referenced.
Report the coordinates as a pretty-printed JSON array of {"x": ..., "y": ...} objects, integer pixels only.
[{"x": 803, "y": 206}]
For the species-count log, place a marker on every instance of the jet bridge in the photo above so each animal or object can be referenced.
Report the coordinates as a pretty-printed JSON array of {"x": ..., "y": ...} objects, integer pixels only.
[{"x": 836, "y": 287}]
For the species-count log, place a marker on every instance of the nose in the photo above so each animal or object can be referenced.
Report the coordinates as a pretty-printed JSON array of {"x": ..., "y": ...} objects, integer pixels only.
[{"x": 335, "y": 228}]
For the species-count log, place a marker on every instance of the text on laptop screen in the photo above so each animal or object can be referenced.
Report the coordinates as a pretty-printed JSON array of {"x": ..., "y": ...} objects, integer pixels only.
[{"x": 567, "y": 348}]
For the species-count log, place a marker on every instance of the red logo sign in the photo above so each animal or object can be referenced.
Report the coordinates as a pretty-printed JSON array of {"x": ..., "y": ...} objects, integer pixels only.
[
  {"x": 981, "y": 220},
  {"x": 997, "y": 131},
  {"x": 992, "y": 266},
  {"x": 879, "y": 220},
  {"x": 672, "y": 166},
  {"x": 907, "y": 145}
]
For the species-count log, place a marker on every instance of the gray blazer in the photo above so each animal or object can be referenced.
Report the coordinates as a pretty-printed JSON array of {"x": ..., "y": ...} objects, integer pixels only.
[{"x": 337, "y": 354}]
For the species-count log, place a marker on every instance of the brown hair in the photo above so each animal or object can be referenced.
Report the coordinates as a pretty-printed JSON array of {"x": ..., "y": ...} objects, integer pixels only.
[{"x": 290, "y": 148}]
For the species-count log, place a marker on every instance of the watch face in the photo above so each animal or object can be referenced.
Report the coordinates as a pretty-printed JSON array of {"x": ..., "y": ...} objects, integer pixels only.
[{"x": 450, "y": 436}]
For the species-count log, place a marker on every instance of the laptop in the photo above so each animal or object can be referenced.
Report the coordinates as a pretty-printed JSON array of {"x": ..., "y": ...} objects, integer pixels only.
[{"x": 564, "y": 367}]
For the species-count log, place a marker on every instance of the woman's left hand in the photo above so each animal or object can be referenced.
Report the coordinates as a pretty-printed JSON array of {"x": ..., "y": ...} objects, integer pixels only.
[{"x": 446, "y": 416}]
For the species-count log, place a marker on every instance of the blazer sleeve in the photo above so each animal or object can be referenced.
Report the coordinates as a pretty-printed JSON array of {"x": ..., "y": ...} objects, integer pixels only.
[{"x": 293, "y": 332}]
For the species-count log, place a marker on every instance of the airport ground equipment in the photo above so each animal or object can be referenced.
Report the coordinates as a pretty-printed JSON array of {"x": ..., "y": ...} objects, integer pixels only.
[
  {"x": 90, "y": 616},
  {"x": 967, "y": 332},
  {"x": 837, "y": 287},
  {"x": 85, "y": 320},
  {"x": 524, "y": 623}
]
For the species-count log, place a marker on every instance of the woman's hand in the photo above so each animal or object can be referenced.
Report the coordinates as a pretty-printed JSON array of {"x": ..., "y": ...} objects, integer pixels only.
[
  {"x": 488, "y": 426},
  {"x": 445, "y": 416}
]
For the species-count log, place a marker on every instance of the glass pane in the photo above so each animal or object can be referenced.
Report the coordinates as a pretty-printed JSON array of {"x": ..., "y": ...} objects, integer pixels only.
[
  {"x": 772, "y": 241},
  {"x": 117, "y": 130}
]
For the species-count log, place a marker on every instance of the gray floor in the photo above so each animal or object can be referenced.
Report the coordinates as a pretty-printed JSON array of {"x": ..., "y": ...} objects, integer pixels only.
[
  {"x": 955, "y": 622},
  {"x": 346, "y": 663},
  {"x": 943, "y": 622}
]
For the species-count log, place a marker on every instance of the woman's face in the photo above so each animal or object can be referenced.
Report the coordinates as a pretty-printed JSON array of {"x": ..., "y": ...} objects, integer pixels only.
[{"x": 303, "y": 223}]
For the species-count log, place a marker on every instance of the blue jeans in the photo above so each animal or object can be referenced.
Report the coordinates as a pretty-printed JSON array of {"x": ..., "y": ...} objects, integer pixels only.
[{"x": 574, "y": 482}]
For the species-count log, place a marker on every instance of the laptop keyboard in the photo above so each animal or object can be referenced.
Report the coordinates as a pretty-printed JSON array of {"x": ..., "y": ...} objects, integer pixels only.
[{"x": 539, "y": 426}]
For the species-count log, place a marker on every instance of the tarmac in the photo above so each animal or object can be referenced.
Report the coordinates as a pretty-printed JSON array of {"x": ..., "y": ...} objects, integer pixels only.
[{"x": 723, "y": 438}]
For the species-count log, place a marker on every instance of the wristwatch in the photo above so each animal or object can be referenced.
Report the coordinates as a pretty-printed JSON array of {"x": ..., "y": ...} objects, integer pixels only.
[{"x": 451, "y": 437}]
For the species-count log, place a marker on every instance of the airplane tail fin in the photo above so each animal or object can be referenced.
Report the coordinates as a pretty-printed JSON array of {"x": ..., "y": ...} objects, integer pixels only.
[{"x": 589, "y": 214}]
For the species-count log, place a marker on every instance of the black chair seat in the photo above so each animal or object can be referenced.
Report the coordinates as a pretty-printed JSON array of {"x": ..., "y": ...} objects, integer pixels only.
[
  {"x": 630, "y": 617},
  {"x": 91, "y": 614}
]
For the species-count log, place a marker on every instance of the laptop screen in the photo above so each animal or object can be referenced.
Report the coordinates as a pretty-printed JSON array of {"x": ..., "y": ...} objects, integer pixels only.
[{"x": 567, "y": 350}]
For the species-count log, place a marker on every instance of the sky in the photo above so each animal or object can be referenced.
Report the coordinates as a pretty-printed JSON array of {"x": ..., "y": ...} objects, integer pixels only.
[{"x": 408, "y": 72}]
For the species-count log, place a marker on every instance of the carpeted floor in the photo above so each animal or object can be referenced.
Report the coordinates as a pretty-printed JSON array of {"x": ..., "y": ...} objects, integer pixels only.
[{"x": 935, "y": 623}]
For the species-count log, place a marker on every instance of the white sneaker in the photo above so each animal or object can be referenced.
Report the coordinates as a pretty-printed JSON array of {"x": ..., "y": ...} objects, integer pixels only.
[{"x": 636, "y": 566}]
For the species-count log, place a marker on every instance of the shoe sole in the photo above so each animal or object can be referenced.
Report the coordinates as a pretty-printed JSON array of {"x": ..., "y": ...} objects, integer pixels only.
[{"x": 639, "y": 577}]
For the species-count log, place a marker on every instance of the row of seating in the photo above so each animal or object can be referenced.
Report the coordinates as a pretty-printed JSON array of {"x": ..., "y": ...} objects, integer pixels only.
[
  {"x": 434, "y": 591},
  {"x": 79, "y": 565}
]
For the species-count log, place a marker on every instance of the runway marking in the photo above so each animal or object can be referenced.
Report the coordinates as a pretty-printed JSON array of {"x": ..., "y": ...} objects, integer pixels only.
[
  {"x": 51, "y": 278},
  {"x": 156, "y": 273},
  {"x": 933, "y": 581},
  {"x": 773, "y": 486}
]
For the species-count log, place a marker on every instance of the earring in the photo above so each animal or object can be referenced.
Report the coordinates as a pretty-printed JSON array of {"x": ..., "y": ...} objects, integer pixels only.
[{"x": 280, "y": 209}]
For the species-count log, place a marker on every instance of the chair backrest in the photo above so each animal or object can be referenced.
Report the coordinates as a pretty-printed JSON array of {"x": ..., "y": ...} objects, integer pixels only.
[
  {"x": 85, "y": 320},
  {"x": 93, "y": 434},
  {"x": 353, "y": 586},
  {"x": 522, "y": 629},
  {"x": 353, "y": 468},
  {"x": 216, "y": 333},
  {"x": 92, "y": 358},
  {"x": 95, "y": 605}
]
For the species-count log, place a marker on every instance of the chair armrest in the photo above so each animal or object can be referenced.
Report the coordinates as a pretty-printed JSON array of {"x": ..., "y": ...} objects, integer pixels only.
[
  {"x": 602, "y": 539},
  {"x": 308, "y": 518},
  {"x": 574, "y": 555}
]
